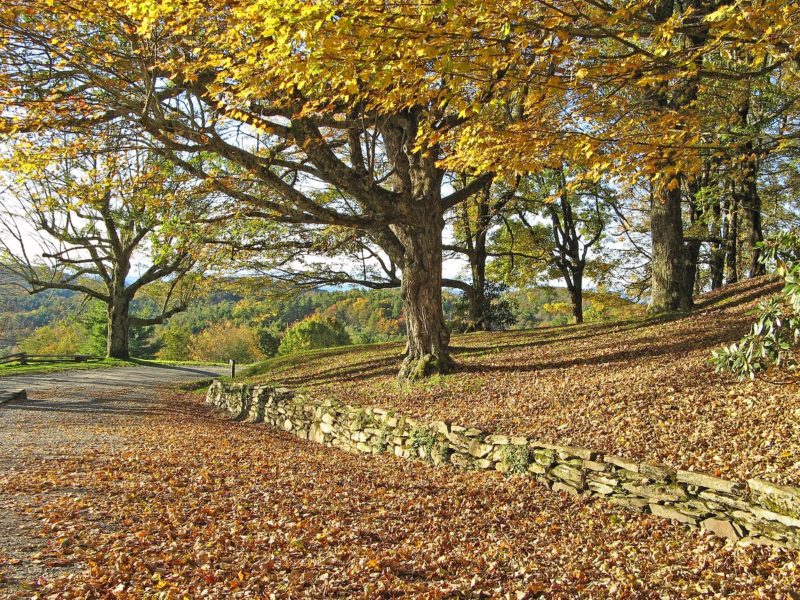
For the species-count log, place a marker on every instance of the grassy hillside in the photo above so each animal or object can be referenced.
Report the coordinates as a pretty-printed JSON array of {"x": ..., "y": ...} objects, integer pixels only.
[{"x": 640, "y": 388}]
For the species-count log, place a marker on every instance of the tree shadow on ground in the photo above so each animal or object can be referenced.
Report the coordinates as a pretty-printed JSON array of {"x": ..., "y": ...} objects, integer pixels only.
[
  {"x": 109, "y": 406},
  {"x": 595, "y": 345},
  {"x": 746, "y": 299},
  {"x": 762, "y": 284},
  {"x": 196, "y": 369},
  {"x": 352, "y": 372}
]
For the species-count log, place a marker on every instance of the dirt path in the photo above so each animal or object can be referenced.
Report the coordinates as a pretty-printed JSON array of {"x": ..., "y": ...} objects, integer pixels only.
[
  {"x": 55, "y": 424},
  {"x": 144, "y": 376}
]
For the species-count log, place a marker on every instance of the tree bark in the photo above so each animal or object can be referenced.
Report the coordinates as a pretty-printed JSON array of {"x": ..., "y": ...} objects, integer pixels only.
[
  {"x": 418, "y": 184},
  {"x": 477, "y": 308},
  {"x": 697, "y": 215},
  {"x": 732, "y": 242},
  {"x": 749, "y": 200},
  {"x": 117, "y": 339},
  {"x": 474, "y": 248},
  {"x": 477, "y": 302},
  {"x": 576, "y": 297},
  {"x": 569, "y": 258},
  {"x": 717, "y": 259},
  {"x": 692, "y": 254},
  {"x": 428, "y": 337},
  {"x": 751, "y": 205},
  {"x": 668, "y": 290}
]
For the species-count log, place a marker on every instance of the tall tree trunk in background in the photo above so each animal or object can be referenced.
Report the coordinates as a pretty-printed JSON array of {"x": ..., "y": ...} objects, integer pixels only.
[
  {"x": 476, "y": 244},
  {"x": 755, "y": 234},
  {"x": 731, "y": 235},
  {"x": 477, "y": 307},
  {"x": 569, "y": 258},
  {"x": 697, "y": 219},
  {"x": 749, "y": 199},
  {"x": 717, "y": 260},
  {"x": 751, "y": 208},
  {"x": 668, "y": 290},
  {"x": 692, "y": 257},
  {"x": 118, "y": 324}
]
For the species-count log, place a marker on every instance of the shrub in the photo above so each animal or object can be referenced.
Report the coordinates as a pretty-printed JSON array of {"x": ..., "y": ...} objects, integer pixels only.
[
  {"x": 498, "y": 310},
  {"x": 313, "y": 332},
  {"x": 176, "y": 342},
  {"x": 268, "y": 342},
  {"x": 774, "y": 338},
  {"x": 224, "y": 341},
  {"x": 60, "y": 338},
  {"x": 517, "y": 459}
]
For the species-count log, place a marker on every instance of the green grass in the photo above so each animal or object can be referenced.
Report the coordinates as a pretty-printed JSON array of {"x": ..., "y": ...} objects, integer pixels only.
[
  {"x": 37, "y": 369},
  {"x": 106, "y": 363}
]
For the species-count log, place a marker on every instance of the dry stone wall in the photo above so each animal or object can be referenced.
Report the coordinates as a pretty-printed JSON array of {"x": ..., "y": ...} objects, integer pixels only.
[{"x": 755, "y": 511}]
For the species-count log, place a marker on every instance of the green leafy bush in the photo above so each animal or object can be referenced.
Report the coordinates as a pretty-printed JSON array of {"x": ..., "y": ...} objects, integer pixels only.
[
  {"x": 268, "y": 341},
  {"x": 517, "y": 458},
  {"x": 498, "y": 311},
  {"x": 774, "y": 337},
  {"x": 176, "y": 342},
  {"x": 313, "y": 332}
]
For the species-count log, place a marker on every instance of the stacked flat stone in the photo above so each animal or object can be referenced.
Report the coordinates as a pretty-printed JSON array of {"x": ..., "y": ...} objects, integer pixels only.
[{"x": 755, "y": 511}]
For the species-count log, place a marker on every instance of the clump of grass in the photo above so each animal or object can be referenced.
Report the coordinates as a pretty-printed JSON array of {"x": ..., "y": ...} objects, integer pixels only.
[{"x": 517, "y": 458}]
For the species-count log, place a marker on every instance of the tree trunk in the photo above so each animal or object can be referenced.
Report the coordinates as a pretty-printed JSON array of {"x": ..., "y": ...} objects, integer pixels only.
[
  {"x": 691, "y": 250},
  {"x": 749, "y": 199},
  {"x": 576, "y": 297},
  {"x": 732, "y": 242},
  {"x": 477, "y": 308},
  {"x": 418, "y": 185},
  {"x": 477, "y": 302},
  {"x": 717, "y": 259},
  {"x": 428, "y": 337},
  {"x": 668, "y": 263},
  {"x": 117, "y": 339},
  {"x": 692, "y": 253},
  {"x": 751, "y": 204},
  {"x": 668, "y": 290},
  {"x": 475, "y": 244}
]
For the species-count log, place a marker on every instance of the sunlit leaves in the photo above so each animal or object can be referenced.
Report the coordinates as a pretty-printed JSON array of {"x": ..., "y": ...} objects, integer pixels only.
[{"x": 155, "y": 496}]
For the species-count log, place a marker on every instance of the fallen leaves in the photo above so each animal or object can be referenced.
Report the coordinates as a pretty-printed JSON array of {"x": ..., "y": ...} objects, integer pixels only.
[{"x": 171, "y": 501}]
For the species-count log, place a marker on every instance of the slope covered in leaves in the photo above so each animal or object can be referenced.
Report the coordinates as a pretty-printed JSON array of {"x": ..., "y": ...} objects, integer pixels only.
[
  {"x": 643, "y": 389},
  {"x": 129, "y": 497}
]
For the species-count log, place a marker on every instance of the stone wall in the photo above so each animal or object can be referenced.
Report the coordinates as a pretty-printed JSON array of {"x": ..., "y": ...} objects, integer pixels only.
[{"x": 755, "y": 511}]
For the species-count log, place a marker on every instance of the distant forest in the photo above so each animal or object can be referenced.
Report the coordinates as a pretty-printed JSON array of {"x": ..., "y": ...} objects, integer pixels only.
[{"x": 234, "y": 321}]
